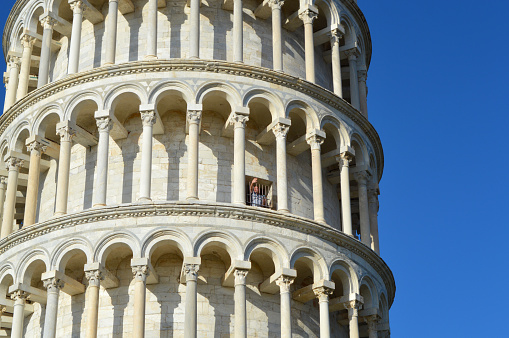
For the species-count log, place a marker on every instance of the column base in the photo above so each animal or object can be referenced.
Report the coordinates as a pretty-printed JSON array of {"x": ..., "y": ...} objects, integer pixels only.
[
  {"x": 99, "y": 205},
  {"x": 192, "y": 199},
  {"x": 286, "y": 211},
  {"x": 58, "y": 214},
  {"x": 320, "y": 220},
  {"x": 108, "y": 64},
  {"x": 144, "y": 200},
  {"x": 150, "y": 57}
]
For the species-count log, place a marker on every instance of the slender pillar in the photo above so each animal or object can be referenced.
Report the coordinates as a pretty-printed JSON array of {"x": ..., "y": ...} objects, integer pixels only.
[
  {"x": 323, "y": 293},
  {"x": 363, "y": 92},
  {"x": 19, "y": 297},
  {"x": 12, "y": 85},
  {"x": 346, "y": 210},
  {"x": 280, "y": 131},
  {"x": 64, "y": 164},
  {"x": 354, "y": 82},
  {"x": 47, "y": 23},
  {"x": 238, "y": 32},
  {"x": 24, "y": 74},
  {"x": 193, "y": 118},
  {"x": 194, "y": 39},
  {"x": 284, "y": 283},
  {"x": 277, "y": 40},
  {"x": 372, "y": 322},
  {"x": 336, "y": 62},
  {"x": 111, "y": 33},
  {"x": 3, "y": 187},
  {"x": 240, "y": 304},
  {"x": 74, "y": 50},
  {"x": 308, "y": 16},
  {"x": 13, "y": 165},
  {"x": 239, "y": 158},
  {"x": 104, "y": 125},
  {"x": 315, "y": 142},
  {"x": 140, "y": 273},
  {"x": 353, "y": 318},
  {"x": 53, "y": 287},
  {"x": 152, "y": 30},
  {"x": 373, "y": 219},
  {"x": 34, "y": 172},
  {"x": 148, "y": 119},
  {"x": 190, "y": 325},
  {"x": 362, "y": 178},
  {"x": 94, "y": 284}
]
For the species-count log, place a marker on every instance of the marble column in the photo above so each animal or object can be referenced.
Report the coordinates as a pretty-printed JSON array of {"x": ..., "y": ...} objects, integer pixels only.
[
  {"x": 36, "y": 149},
  {"x": 26, "y": 60},
  {"x": 362, "y": 179},
  {"x": 94, "y": 278},
  {"x": 77, "y": 8},
  {"x": 240, "y": 304},
  {"x": 148, "y": 119},
  {"x": 104, "y": 126},
  {"x": 193, "y": 118},
  {"x": 323, "y": 293},
  {"x": 238, "y": 32},
  {"x": 373, "y": 219},
  {"x": 363, "y": 92},
  {"x": 372, "y": 323},
  {"x": 354, "y": 82},
  {"x": 284, "y": 283},
  {"x": 53, "y": 287},
  {"x": 19, "y": 297},
  {"x": 280, "y": 131},
  {"x": 239, "y": 158},
  {"x": 3, "y": 187},
  {"x": 13, "y": 164},
  {"x": 336, "y": 62},
  {"x": 140, "y": 273},
  {"x": 308, "y": 16},
  {"x": 64, "y": 165},
  {"x": 315, "y": 142},
  {"x": 346, "y": 210},
  {"x": 190, "y": 325},
  {"x": 12, "y": 85},
  {"x": 194, "y": 22},
  {"x": 47, "y": 23},
  {"x": 152, "y": 30},
  {"x": 111, "y": 33},
  {"x": 277, "y": 40},
  {"x": 353, "y": 318}
]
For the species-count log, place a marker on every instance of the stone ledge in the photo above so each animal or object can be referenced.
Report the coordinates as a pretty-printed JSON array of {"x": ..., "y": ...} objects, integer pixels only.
[{"x": 203, "y": 209}]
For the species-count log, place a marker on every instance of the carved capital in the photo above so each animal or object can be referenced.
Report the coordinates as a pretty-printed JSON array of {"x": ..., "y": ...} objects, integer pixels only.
[
  {"x": 240, "y": 276},
  {"x": 344, "y": 159},
  {"x": 323, "y": 293},
  {"x": 335, "y": 36},
  {"x": 280, "y": 130},
  {"x": 13, "y": 163},
  {"x": 3, "y": 180},
  {"x": 361, "y": 177},
  {"x": 14, "y": 62},
  {"x": 372, "y": 322},
  {"x": 94, "y": 277},
  {"x": 315, "y": 141},
  {"x": 353, "y": 307},
  {"x": 194, "y": 116},
  {"x": 191, "y": 271},
  {"x": 37, "y": 146},
  {"x": 276, "y": 4},
  {"x": 284, "y": 283},
  {"x": 308, "y": 16},
  {"x": 352, "y": 54},
  {"x": 77, "y": 6},
  {"x": 141, "y": 272},
  {"x": 48, "y": 22},
  {"x": 148, "y": 118},
  {"x": 104, "y": 124},
  {"x": 362, "y": 75},
  {"x": 66, "y": 133},
  {"x": 53, "y": 284},
  {"x": 19, "y": 295},
  {"x": 239, "y": 120},
  {"x": 27, "y": 41}
]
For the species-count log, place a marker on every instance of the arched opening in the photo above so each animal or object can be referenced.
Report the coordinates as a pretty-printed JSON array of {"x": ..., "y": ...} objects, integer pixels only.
[{"x": 20, "y": 147}]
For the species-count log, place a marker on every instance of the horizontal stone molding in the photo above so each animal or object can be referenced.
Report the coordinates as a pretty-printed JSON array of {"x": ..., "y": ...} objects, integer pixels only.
[
  {"x": 214, "y": 210},
  {"x": 235, "y": 69}
]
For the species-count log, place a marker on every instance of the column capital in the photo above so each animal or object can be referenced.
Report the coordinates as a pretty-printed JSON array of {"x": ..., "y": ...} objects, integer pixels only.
[
  {"x": 361, "y": 177},
  {"x": 240, "y": 276},
  {"x": 372, "y": 322},
  {"x": 323, "y": 293},
  {"x": 191, "y": 271},
  {"x": 94, "y": 277},
  {"x": 335, "y": 36},
  {"x": 280, "y": 130},
  {"x": 308, "y": 16},
  {"x": 53, "y": 284},
  {"x": 352, "y": 54},
  {"x": 239, "y": 120},
  {"x": 284, "y": 283},
  {"x": 19, "y": 295},
  {"x": 27, "y": 41},
  {"x": 276, "y": 4},
  {"x": 14, "y": 61},
  {"x": 36, "y": 146},
  {"x": 3, "y": 180},
  {"x": 13, "y": 163},
  {"x": 47, "y": 22},
  {"x": 362, "y": 75},
  {"x": 344, "y": 159},
  {"x": 148, "y": 118},
  {"x": 104, "y": 124},
  {"x": 315, "y": 141},
  {"x": 66, "y": 133},
  {"x": 141, "y": 272},
  {"x": 77, "y": 6},
  {"x": 194, "y": 116}
]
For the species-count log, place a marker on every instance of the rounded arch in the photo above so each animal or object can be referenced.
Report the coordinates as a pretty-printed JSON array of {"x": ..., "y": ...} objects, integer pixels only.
[
  {"x": 350, "y": 37},
  {"x": 110, "y": 99},
  {"x": 361, "y": 151},
  {"x": 340, "y": 133},
  {"x": 46, "y": 117},
  {"x": 78, "y": 102},
  {"x": 329, "y": 9},
  {"x": 230, "y": 242},
  {"x": 384, "y": 309},
  {"x": 368, "y": 291},
  {"x": 230, "y": 94},
  {"x": 313, "y": 259},
  {"x": 105, "y": 246},
  {"x": 66, "y": 250},
  {"x": 268, "y": 245},
  {"x": 273, "y": 102},
  {"x": 160, "y": 236},
  {"x": 21, "y": 133},
  {"x": 16, "y": 34},
  {"x": 344, "y": 271},
  {"x": 7, "y": 278},
  {"x": 27, "y": 262},
  {"x": 160, "y": 89},
  {"x": 304, "y": 111},
  {"x": 32, "y": 15}
]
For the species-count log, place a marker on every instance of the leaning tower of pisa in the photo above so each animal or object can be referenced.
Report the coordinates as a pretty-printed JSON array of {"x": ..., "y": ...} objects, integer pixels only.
[{"x": 199, "y": 168}]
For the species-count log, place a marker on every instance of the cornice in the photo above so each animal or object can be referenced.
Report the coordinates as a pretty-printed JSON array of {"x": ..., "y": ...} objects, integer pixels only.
[
  {"x": 216, "y": 210},
  {"x": 222, "y": 67}
]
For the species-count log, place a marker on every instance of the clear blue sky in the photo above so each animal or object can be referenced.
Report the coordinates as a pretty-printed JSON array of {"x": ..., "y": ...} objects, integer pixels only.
[{"x": 438, "y": 98}]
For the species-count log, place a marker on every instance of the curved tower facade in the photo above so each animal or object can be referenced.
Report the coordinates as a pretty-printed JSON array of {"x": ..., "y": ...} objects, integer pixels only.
[{"x": 200, "y": 168}]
